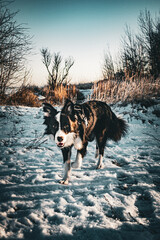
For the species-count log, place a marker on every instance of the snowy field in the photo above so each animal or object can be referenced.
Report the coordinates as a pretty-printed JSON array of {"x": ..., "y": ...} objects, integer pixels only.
[{"x": 120, "y": 201}]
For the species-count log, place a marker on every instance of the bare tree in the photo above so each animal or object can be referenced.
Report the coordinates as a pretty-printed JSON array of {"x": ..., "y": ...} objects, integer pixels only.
[
  {"x": 57, "y": 73},
  {"x": 108, "y": 66},
  {"x": 132, "y": 54},
  {"x": 150, "y": 39},
  {"x": 15, "y": 44},
  {"x": 141, "y": 52}
]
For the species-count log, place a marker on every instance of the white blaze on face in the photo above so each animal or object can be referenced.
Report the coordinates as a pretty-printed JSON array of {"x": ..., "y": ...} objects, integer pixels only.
[
  {"x": 68, "y": 138},
  {"x": 58, "y": 117},
  {"x": 59, "y": 133}
]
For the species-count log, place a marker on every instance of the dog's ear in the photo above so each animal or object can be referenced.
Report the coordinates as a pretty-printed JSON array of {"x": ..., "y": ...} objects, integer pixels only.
[
  {"x": 68, "y": 108},
  {"x": 49, "y": 113}
]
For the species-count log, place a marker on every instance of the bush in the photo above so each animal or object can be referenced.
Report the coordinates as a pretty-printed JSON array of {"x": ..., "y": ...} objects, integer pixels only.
[{"x": 24, "y": 96}]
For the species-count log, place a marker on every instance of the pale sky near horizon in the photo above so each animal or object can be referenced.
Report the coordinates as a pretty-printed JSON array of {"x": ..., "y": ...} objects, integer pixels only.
[{"x": 81, "y": 29}]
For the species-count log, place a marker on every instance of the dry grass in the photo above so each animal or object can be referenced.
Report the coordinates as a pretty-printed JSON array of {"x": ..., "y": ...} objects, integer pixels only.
[
  {"x": 55, "y": 96},
  {"x": 24, "y": 96},
  {"x": 126, "y": 91},
  {"x": 60, "y": 93},
  {"x": 28, "y": 95}
]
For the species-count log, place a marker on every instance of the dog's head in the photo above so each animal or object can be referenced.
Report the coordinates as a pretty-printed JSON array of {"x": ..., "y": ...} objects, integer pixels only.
[{"x": 62, "y": 125}]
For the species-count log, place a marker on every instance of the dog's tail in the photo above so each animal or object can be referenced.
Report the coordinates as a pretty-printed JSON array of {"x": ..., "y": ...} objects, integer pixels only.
[{"x": 118, "y": 128}]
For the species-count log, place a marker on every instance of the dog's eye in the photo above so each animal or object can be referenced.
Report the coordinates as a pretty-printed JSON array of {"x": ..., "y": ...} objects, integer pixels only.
[{"x": 66, "y": 128}]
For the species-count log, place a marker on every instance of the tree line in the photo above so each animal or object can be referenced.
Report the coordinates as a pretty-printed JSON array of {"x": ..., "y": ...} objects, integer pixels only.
[
  {"x": 139, "y": 56},
  {"x": 140, "y": 52}
]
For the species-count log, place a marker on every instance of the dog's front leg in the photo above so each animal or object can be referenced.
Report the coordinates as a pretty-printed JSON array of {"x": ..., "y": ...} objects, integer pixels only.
[
  {"x": 97, "y": 151},
  {"x": 78, "y": 162},
  {"x": 100, "y": 165},
  {"x": 80, "y": 155},
  {"x": 67, "y": 165}
]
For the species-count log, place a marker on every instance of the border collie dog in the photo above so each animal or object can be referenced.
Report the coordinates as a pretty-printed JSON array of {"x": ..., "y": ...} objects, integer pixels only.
[{"x": 77, "y": 124}]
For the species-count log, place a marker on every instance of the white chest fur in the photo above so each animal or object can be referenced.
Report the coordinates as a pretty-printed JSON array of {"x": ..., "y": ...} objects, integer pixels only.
[{"x": 78, "y": 143}]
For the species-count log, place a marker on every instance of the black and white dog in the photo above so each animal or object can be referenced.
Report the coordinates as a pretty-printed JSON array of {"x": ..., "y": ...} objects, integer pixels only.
[{"x": 77, "y": 124}]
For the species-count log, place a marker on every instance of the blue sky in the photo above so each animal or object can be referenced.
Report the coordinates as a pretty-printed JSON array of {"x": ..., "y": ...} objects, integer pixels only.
[{"x": 81, "y": 29}]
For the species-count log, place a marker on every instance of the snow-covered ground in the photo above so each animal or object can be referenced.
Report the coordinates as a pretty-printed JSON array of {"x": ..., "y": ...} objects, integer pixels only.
[{"x": 120, "y": 201}]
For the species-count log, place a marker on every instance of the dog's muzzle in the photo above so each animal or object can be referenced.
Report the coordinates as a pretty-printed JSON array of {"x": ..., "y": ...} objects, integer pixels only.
[{"x": 60, "y": 143}]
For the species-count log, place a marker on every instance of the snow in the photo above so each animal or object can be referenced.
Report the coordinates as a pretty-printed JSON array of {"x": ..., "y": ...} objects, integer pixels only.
[{"x": 120, "y": 201}]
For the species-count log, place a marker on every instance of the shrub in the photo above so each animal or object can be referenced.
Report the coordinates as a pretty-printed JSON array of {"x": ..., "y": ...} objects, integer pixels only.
[{"x": 24, "y": 96}]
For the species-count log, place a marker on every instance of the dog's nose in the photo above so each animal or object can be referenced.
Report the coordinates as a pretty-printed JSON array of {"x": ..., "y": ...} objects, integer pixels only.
[{"x": 60, "y": 139}]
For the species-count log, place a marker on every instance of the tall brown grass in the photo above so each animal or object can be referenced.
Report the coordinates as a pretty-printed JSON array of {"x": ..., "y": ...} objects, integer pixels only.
[
  {"x": 24, "y": 96},
  {"x": 28, "y": 95},
  {"x": 60, "y": 93},
  {"x": 129, "y": 90}
]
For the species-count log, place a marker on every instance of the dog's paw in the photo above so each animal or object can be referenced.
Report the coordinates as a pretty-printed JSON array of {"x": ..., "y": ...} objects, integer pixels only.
[
  {"x": 64, "y": 182},
  {"x": 100, "y": 166},
  {"x": 75, "y": 165}
]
